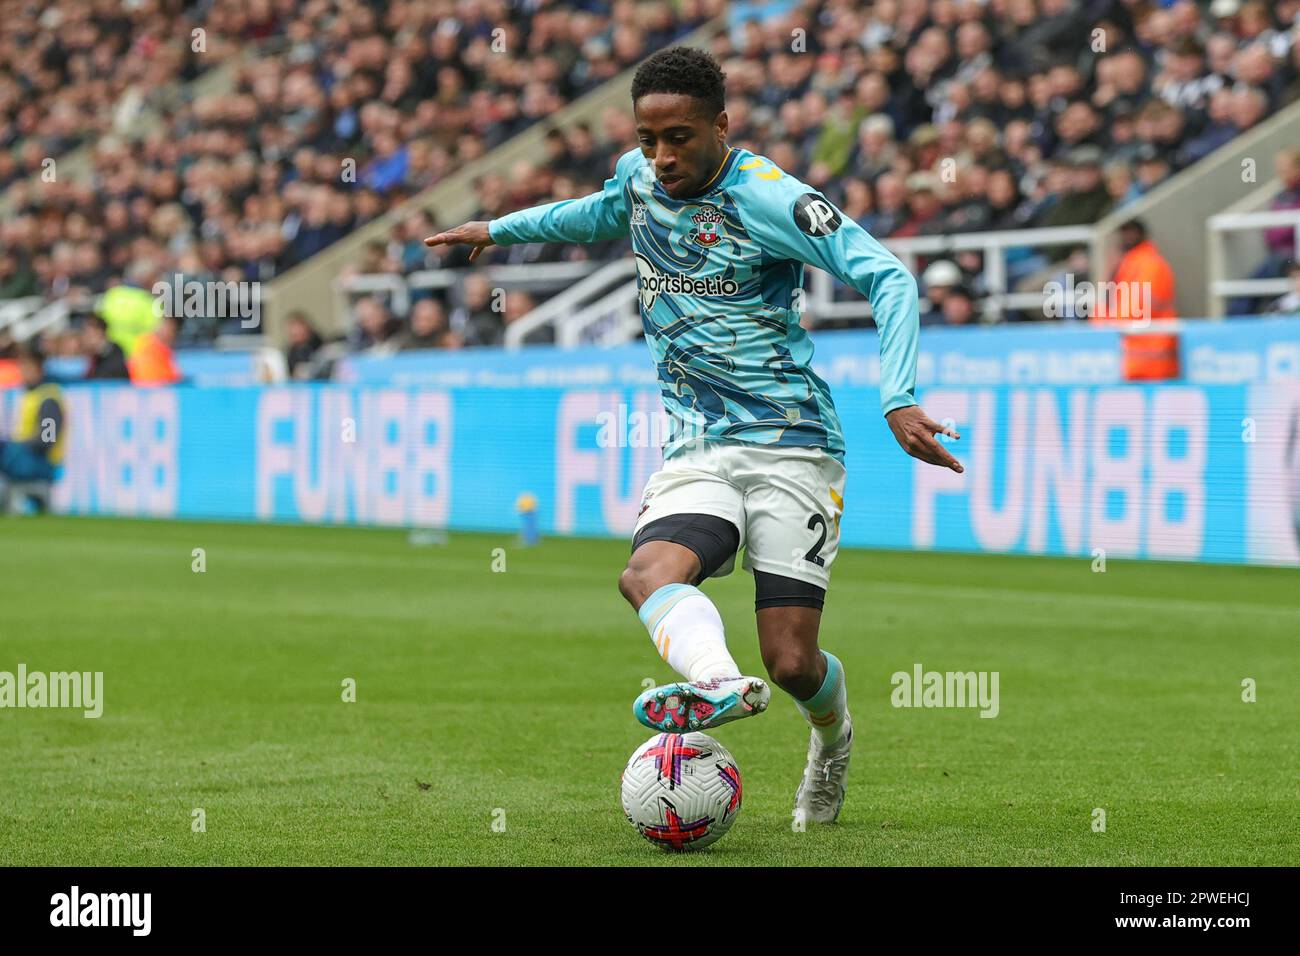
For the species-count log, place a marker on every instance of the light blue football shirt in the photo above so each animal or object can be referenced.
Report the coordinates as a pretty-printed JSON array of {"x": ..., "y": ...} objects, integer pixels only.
[{"x": 718, "y": 275}]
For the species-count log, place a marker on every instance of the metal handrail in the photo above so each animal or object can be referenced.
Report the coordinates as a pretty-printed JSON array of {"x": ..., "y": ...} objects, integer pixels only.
[
  {"x": 567, "y": 302},
  {"x": 574, "y": 310},
  {"x": 15, "y": 310},
  {"x": 1221, "y": 287}
]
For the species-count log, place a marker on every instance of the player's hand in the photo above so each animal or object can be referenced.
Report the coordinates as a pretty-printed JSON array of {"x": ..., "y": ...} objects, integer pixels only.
[
  {"x": 915, "y": 431},
  {"x": 470, "y": 234}
]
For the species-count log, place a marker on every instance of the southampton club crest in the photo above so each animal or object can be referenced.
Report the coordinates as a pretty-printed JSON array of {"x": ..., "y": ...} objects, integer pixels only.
[{"x": 708, "y": 222}]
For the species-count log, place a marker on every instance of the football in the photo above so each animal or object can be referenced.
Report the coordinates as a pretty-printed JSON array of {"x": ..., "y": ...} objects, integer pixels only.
[{"x": 681, "y": 791}]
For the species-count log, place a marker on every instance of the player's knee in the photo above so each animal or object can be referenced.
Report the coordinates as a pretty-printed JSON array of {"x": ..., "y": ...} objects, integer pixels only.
[
  {"x": 638, "y": 581},
  {"x": 794, "y": 670},
  {"x": 629, "y": 585}
]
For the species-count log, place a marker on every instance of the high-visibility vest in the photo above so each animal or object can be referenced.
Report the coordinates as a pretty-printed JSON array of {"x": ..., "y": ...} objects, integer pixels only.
[
  {"x": 152, "y": 362},
  {"x": 1141, "y": 272},
  {"x": 30, "y": 426},
  {"x": 129, "y": 313}
]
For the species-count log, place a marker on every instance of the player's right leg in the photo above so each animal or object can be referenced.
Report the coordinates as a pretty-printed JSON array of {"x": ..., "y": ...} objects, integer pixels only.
[
  {"x": 687, "y": 629},
  {"x": 681, "y": 539}
]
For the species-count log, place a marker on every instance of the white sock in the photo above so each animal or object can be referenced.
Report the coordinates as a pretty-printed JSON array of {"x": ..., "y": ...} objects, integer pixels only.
[
  {"x": 827, "y": 710},
  {"x": 688, "y": 633}
]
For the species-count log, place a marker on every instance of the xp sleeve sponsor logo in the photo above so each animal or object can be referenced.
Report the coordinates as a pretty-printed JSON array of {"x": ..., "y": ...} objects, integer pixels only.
[
  {"x": 654, "y": 283},
  {"x": 815, "y": 216}
]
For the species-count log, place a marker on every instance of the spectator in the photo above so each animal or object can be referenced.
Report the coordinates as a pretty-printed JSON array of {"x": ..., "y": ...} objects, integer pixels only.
[
  {"x": 17, "y": 280},
  {"x": 1185, "y": 82},
  {"x": 107, "y": 362},
  {"x": 1289, "y": 302},
  {"x": 876, "y": 149},
  {"x": 1121, "y": 133},
  {"x": 966, "y": 202},
  {"x": 1143, "y": 279},
  {"x": 959, "y": 308},
  {"x": 1120, "y": 185},
  {"x": 475, "y": 320},
  {"x": 891, "y": 205},
  {"x": 940, "y": 278},
  {"x": 1085, "y": 199},
  {"x": 924, "y": 207},
  {"x": 1249, "y": 106},
  {"x": 1004, "y": 200},
  {"x": 428, "y": 326},
  {"x": 304, "y": 346},
  {"x": 375, "y": 331},
  {"x": 1217, "y": 132},
  {"x": 518, "y": 304},
  {"x": 1152, "y": 169},
  {"x": 857, "y": 203},
  {"x": 1279, "y": 239}
]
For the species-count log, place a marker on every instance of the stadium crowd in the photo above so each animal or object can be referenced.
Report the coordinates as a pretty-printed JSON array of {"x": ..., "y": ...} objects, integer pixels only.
[
  {"x": 936, "y": 117},
  {"x": 918, "y": 117},
  {"x": 73, "y": 70},
  {"x": 352, "y": 108}
]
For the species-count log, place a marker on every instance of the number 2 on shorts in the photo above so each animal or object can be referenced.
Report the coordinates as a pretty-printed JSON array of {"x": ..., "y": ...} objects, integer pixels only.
[{"x": 813, "y": 554}]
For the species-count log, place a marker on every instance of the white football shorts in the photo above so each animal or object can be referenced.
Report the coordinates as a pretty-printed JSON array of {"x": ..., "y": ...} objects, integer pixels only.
[{"x": 786, "y": 501}]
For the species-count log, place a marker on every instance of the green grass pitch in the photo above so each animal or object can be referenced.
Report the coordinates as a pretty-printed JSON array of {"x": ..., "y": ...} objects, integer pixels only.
[{"x": 506, "y": 697}]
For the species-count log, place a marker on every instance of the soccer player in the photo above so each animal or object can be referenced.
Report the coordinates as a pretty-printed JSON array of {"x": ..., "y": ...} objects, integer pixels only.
[{"x": 755, "y": 459}]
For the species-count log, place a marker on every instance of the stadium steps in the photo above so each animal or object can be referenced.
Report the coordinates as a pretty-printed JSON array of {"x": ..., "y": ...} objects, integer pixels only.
[
  {"x": 309, "y": 285},
  {"x": 1176, "y": 211}
]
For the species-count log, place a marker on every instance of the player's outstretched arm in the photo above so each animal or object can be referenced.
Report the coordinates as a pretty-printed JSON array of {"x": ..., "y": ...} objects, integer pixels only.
[
  {"x": 593, "y": 218},
  {"x": 474, "y": 234}
]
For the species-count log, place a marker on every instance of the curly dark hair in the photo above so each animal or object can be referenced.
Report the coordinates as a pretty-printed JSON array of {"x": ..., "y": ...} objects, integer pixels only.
[{"x": 684, "y": 70}]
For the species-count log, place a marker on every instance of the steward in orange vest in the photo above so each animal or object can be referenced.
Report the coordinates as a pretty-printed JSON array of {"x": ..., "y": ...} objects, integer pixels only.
[
  {"x": 152, "y": 361},
  {"x": 1143, "y": 284}
]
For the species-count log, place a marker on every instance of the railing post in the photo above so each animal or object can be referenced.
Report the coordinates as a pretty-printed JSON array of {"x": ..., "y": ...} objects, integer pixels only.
[
  {"x": 1214, "y": 261},
  {"x": 995, "y": 270}
]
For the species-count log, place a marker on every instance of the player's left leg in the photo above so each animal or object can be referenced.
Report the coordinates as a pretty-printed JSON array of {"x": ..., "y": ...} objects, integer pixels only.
[
  {"x": 787, "y": 640},
  {"x": 794, "y": 499}
]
